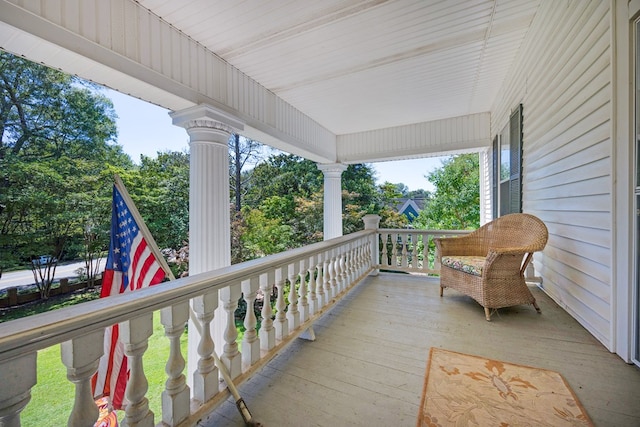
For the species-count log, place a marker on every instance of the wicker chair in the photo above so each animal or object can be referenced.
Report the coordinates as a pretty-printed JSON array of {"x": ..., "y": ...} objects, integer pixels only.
[{"x": 489, "y": 264}]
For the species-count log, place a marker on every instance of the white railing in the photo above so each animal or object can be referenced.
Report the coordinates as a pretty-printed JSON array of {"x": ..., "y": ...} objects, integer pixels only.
[
  {"x": 307, "y": 281},
  {"x": 411, "y": 250}
]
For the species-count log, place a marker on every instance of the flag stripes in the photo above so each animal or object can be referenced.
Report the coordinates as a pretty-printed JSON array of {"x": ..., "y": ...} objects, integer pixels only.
[{"x": 131, "y": 264}]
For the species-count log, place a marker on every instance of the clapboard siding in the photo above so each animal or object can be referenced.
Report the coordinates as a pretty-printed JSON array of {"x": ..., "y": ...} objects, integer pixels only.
[{"x": 563, "y": 80}]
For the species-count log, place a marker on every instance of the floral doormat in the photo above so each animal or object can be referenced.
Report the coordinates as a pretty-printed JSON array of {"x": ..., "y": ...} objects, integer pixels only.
[{"x": 460, "y": 389}]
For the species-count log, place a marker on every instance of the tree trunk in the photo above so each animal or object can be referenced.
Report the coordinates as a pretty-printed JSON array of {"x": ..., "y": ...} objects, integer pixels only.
[{"x": 238, "y": 171}]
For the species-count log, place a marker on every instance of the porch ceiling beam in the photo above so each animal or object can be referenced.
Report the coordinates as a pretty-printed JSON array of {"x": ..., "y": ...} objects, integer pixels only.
[{"x": 438, "y": 137}]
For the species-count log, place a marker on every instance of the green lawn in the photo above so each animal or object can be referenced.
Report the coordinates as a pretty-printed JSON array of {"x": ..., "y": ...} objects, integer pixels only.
[{"x": 53, "y": 395}]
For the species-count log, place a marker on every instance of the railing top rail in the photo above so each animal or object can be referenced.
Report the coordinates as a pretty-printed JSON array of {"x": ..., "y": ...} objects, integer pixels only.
[
  {"x": 423, "y": 231},
  {"x": 40, "y": 331}
]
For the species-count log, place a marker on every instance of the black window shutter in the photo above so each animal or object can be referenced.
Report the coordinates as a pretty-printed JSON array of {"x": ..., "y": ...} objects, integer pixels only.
[
  {"x": 515, "y": 148},
  {"x": 496, "y": 178}
]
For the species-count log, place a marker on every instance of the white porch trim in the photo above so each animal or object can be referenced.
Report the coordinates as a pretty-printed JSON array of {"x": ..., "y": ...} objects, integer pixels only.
[{"x": 332, "y": 199}]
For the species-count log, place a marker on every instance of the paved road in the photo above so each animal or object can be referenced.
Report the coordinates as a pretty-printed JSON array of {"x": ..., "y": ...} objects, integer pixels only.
[{"x": 25, "y": 277}]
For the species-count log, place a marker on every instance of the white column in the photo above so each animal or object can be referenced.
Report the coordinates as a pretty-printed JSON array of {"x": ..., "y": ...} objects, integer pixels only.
[
  {"x": 332, "y": 199},
  {"x": 209, "y": 234}
]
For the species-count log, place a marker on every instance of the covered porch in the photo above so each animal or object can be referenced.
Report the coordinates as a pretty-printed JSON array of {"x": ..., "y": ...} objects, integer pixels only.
[
  {"x": 367, "y": 364},
  {"x": 347, "y": 82},
  {"x": 347, "y": 343}
]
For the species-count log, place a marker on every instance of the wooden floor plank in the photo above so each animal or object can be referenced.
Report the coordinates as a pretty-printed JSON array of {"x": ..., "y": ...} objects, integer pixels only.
[{"x": 367, "y": 364}]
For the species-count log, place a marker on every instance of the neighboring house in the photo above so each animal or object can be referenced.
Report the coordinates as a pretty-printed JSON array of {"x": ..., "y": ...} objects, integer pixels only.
[{"x": 410, "y": 208}]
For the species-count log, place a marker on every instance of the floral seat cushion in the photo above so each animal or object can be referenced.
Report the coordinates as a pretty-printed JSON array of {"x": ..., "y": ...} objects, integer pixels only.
[{"x": 468, "y": 264}]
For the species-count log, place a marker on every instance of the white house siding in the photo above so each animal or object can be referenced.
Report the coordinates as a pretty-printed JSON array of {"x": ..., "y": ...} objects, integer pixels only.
[{"x": 563, "y": 80}]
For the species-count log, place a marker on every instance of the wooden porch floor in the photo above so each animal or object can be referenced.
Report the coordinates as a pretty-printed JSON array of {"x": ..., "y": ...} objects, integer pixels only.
[{"x": 367, "y": 364}]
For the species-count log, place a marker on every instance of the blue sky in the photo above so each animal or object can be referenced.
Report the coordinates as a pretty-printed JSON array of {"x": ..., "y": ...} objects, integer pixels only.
[{"x": 145, "y": 128}]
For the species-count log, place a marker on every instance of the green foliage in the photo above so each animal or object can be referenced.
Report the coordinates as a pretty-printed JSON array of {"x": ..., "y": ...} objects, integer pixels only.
[
  {"x": 283, "y": 175},
  {"x": 285, "y": 193},
  {"x": 55, "y": 137},
  {"x": 456, "y": 202},
  {"x": 164, "y": 197},
  {"x": 264, "y": 235}
]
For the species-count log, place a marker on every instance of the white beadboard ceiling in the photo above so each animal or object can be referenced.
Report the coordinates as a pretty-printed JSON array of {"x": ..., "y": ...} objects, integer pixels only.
[{"x": 361, "y": 65}]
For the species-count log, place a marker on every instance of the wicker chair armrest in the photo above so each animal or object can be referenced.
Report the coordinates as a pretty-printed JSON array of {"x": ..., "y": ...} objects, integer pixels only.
[
  {"x": 503, "y": 263},
  {"x": 508, "y": 251},
  {"x": 467, "y": 245}
]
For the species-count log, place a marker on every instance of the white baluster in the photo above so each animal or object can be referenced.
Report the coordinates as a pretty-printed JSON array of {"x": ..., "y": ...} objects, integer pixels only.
[
  {"x": 293, "y": 314},
  {"x": 404, "y": 242},
  {"x": 394, "y": 250},
  {"x": 356, "y": 261},
  {"x": 18, "y": 377},
  {"x": 365, "y": 257},
  {"x": 267, "y": 331},
  {"x": 353, "y": 263},
  {"x": 250, "y": 341},
  {"x": 326, "y": 277},
  {"x": 385, "y": 250},
  {"x": 231, "y": 357},
  {"x": 436, "y": 256},
  {"x": 282, "y": 324},
  {"x": 205, "y": 378},
  {"x": 320, "y": 294},
  {"x": 302, "y": 292},
  {"x": 420, "y": 252},
  {"x": 135, "y": 334},
  {"x": 342, "y": 263},
  {"x": 313, "y": 298},
  {"x": 335, "y": 273},
  {"x": 175, "y": 397},
  {"x": 81, "y": 356},
  {"x": 415, "y": 241},
  {"x": 345, "y": 265}
]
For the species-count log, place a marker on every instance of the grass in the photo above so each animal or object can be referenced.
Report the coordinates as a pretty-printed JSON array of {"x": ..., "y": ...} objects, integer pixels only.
[
  {"x": 53, "y": 395},
  {"x": 53, "y": 303}
]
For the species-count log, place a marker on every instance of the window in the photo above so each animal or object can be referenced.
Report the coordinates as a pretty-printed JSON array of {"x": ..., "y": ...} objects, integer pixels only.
[{"x": 507, "y": 167}]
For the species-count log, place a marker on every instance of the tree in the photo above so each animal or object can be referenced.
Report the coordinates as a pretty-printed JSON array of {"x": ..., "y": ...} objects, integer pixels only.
[
  {"x": 162, "y": 196},
  {"x": 56, "y": 136},
  {"x": 392, "y": 193},
  {"x": 290, "y": 189},
  {"x": 242, "y": 152},
  {"x": 455, "y": 204}
]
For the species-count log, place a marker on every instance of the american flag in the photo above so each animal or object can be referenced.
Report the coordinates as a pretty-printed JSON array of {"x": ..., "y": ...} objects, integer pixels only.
[{"x": 131, "y": 264}]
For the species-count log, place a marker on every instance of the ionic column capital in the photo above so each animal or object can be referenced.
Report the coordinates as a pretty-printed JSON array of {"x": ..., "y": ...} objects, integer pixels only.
[
  {"x": 203, "y": 121},
  {"x": 332, "y": 170},
  {"x": 207, "y": 124}
]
